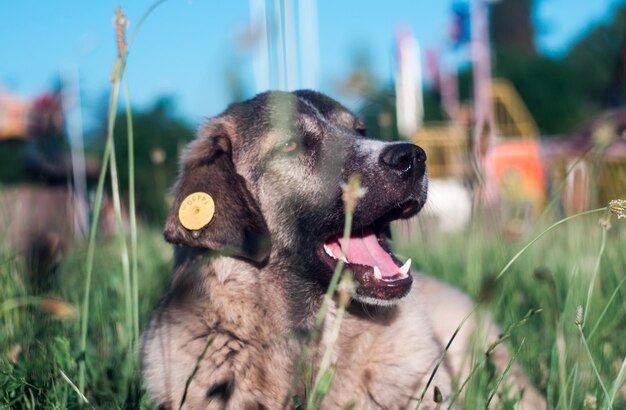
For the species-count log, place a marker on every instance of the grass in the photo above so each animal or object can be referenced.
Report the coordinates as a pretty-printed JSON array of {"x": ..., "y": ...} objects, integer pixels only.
[
  {"x": 47, "y": 342},
  {"x": 579, "y": 263},
  {"x": 40, "y": 349}
]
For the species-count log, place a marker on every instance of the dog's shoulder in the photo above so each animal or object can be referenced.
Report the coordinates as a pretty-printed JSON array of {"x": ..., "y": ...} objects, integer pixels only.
[
  {"x": 385, "y": 355},
  {"x": 445, "y": 305},
  {"x": 215, "y": 340}
]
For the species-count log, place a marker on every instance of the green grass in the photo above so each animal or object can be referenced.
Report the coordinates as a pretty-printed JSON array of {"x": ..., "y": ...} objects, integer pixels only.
[
  {"x": 555, "y": 275},
  {"x": 552, "y": 275},
  {"x": 48, "y": 343}
]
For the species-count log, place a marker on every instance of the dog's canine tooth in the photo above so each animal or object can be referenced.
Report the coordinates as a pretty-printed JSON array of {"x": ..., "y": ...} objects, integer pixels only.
[
  {"x": 377, "y": 273},
  {"x": 328, "y": 252},
  {"x": 404, "y": 270}
]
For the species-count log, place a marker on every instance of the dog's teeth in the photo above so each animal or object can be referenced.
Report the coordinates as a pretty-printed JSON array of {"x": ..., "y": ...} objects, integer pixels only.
[
  {"x": 404, "y": 270},
  {"x": 328, "y": 252},
  {"x": 377, "y": 273},
  {"x": 343, "y": 258}
]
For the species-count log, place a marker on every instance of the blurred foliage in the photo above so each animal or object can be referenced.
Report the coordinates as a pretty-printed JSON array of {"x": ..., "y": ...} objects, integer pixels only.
[
  {"x": 379, "y": 109},
  {"x": 159, "y": 137},
  {"x": 595, "y": 63},
  {"x": 547, "y": 88},
  {"x": 12, "y": 160},
  {"x": 42, "y": 160},
  {"x": 379, "y": 114},
  {"x": 562, "y": 93},
  {"x": 512, "y": 26}
]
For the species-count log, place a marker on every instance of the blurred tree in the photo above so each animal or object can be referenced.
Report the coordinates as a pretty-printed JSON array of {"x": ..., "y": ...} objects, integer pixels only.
[
  {"x": 12, "y": 159},
  {"x": 561, "y": 93},
  {"x": 159, "y": 138},
  {"x": 547, "y": 87},
  {"x": 596, "y": 61},
  {"x": 512, "y": 27},
  {"x": 378, "y": 112}
]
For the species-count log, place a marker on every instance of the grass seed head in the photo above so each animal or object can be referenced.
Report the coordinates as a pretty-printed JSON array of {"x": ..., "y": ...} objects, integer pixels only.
[
  {"x": 618, "y": 207},
  {"x": 120, "y": 31},
  {"x": 438, "y": 396},
  {"x": 590, "y": 401},
  {"x": 579, "y": 315},
  {"x": 352, "y": 192},
  {"x": 605, "y": 222}
]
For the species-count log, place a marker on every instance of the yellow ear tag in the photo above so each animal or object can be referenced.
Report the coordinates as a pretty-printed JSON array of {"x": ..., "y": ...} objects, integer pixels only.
[{"x": 196, "y": 211}]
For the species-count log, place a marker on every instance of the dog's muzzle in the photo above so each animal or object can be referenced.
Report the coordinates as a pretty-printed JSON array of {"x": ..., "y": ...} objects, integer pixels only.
[{"x": 381, "y": 277}]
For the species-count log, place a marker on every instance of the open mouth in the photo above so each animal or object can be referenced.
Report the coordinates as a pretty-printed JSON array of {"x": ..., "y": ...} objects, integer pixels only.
[{"x": 381, "y": 278}]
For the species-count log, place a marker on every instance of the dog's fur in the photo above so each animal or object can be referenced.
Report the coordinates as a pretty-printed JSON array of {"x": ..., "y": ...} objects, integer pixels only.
[{"x": 247, "y": 287}]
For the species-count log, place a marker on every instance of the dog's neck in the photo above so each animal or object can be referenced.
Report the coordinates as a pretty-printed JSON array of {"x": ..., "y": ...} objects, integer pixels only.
[{"x": 196, "y": 270}]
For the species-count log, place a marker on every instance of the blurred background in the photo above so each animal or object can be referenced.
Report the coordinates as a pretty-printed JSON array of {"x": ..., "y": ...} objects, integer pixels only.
[
  {"x": 545, "y": 78},
  {"x": 519, "y": 104}
]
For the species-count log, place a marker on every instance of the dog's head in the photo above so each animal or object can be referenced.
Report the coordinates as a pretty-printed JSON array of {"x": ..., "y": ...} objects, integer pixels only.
[{"x": 274, "y": 166}]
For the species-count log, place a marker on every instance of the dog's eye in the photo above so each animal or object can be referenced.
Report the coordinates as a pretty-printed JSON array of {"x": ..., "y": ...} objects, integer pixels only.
[{"x": 289, "y": 147}]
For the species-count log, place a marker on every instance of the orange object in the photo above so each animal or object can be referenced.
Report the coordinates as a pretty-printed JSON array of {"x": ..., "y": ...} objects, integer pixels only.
[{"x": 516, "y": 172}]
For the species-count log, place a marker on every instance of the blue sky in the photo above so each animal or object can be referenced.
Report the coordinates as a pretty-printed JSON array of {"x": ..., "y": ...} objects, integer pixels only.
[{"x": 187, "y": 47}]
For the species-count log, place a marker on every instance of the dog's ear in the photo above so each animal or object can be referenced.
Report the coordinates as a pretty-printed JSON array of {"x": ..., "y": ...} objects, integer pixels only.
[{"x": 235, "y": 224}]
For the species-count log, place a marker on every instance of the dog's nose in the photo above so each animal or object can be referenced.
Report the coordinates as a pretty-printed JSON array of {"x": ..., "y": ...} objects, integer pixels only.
[{"x": 406, "y": 160}]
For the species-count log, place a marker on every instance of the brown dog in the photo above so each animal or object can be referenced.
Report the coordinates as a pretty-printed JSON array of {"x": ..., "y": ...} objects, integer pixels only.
[{"x": 249, "y": 280}]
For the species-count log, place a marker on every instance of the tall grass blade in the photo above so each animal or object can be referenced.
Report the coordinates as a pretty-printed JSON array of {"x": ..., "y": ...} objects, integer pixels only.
[
  {"x": 121, "y": 237},
  {"x": 617, "y": 384},
  {"x": 132, "y": 212},
  {"x": 443, "y": 355},
  {"x": 554, "y": 225},
  {"x": 489, "y": 351},
  {"x": 118, "y": 71},
  {"x": 73, "y": 386},
  {"x": 606, "y": 308},
  {"x": 504, "y": 373},
  {"x": 92, "y": 238},
  {"x": 195, "y": 369},
  {"x": 596, "y": 270},
  {"x": 593, "y": 363}
]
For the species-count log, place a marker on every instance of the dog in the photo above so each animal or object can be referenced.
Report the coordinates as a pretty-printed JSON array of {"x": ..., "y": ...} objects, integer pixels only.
[{"x": 265, "y": 178}]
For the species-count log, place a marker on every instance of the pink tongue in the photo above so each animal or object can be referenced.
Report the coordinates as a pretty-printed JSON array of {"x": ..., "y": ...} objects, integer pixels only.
[{"x": 365, "y": 250}]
